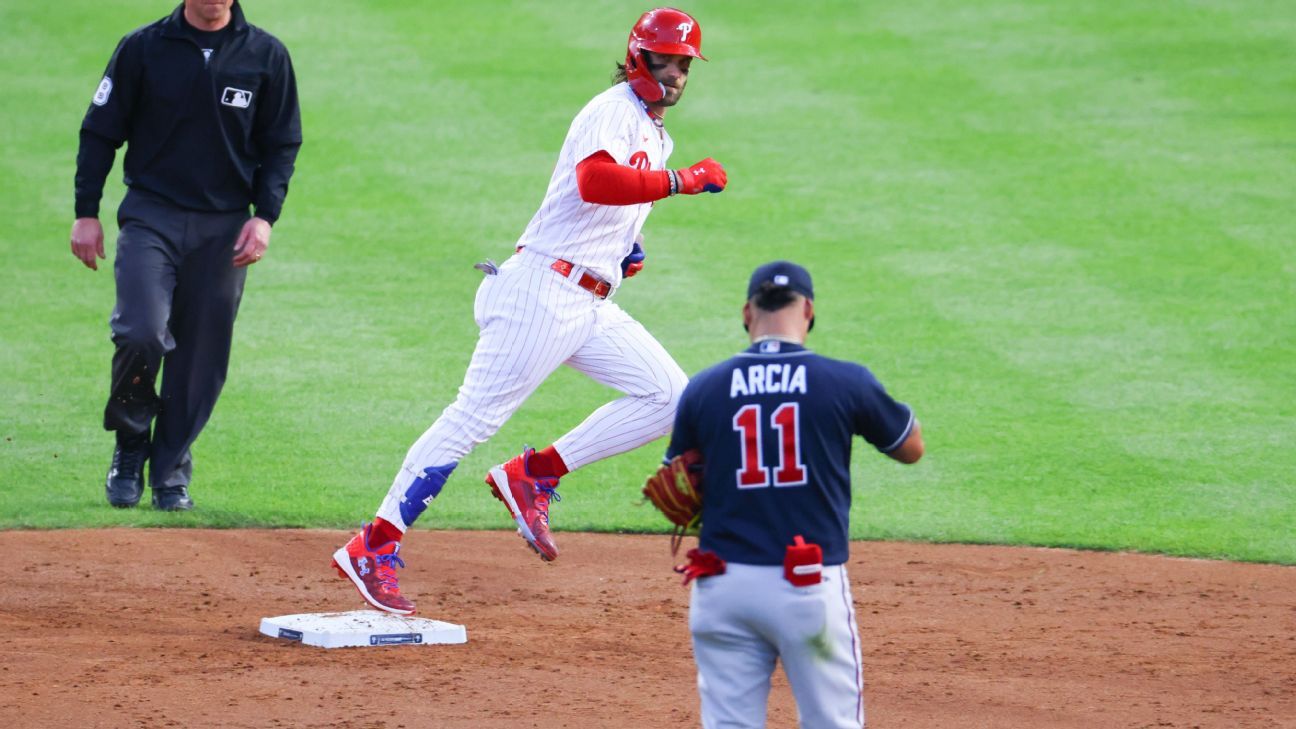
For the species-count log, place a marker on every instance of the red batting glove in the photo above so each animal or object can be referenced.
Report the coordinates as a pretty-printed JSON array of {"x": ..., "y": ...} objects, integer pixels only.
[{"x": 705, "y": 176}]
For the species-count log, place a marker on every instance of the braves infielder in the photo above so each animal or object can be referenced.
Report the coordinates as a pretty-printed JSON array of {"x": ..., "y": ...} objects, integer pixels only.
[
  {"x": 550, "y": 304},
  {"x": 774, "y": 426}
]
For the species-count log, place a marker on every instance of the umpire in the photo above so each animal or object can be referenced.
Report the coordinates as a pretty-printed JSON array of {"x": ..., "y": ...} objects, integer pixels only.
[{"x": 207, "y": 107}]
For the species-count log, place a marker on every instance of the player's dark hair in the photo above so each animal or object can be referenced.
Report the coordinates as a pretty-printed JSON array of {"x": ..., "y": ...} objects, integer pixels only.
[
  {"x": 619, "y": 75},
  {"x": 772, "y": 297}
]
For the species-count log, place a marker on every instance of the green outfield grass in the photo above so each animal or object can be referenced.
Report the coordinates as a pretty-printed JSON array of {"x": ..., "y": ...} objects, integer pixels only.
[{"x": 1063, "y": 231}]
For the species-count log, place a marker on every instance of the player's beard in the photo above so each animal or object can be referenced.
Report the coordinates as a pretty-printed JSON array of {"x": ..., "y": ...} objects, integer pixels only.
[{"x": 672, "y": 95}]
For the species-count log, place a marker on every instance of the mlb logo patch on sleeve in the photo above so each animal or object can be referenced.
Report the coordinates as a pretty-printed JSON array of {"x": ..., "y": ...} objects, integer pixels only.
[
  {"x": 237, "y": 98},
  {"x": 103, "y": 92}
]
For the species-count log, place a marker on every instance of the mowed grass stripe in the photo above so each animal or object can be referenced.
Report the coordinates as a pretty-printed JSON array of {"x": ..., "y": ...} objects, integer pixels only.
[
  {"x": 1002, "y": 286},
  {"x": 1062, "y": 243}
]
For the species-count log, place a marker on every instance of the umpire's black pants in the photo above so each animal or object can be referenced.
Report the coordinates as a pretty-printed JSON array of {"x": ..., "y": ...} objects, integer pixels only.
[{"x": 177, "y": 295}]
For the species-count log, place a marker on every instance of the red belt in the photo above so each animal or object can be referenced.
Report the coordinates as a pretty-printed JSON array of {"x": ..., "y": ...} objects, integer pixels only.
[{"x": 592, "y": 284}]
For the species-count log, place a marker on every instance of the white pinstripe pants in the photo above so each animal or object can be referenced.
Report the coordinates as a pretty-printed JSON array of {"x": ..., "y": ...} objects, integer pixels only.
[{"x": 532, "y": 320}]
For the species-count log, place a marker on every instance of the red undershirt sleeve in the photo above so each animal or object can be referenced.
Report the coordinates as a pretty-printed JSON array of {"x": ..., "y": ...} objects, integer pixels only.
[{"x": 602, "y": 181}]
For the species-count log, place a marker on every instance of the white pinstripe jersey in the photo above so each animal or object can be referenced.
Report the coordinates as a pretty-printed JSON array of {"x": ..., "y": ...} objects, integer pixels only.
[{"x": 590, "y": 235}]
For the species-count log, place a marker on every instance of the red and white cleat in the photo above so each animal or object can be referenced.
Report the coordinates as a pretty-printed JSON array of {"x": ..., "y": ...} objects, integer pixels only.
[
  {"x": 527, "y": 498},
  {"x": 373, "y": 572}
]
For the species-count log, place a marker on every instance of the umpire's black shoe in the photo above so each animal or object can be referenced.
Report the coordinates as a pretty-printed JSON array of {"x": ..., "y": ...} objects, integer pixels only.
[
  {"x": 172, "y": 498},
  {"x": 125, "y": 482}
]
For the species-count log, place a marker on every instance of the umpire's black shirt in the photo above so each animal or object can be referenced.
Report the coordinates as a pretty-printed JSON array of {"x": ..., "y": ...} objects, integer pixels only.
[{"x": 211, "y": 120}]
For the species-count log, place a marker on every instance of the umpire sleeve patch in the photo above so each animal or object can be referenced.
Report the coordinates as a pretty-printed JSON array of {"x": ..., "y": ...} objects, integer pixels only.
[{"x": 103, "y": 92}]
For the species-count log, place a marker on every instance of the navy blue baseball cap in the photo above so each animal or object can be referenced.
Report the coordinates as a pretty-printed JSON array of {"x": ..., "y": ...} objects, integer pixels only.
[{"x": 782, "y": 273}]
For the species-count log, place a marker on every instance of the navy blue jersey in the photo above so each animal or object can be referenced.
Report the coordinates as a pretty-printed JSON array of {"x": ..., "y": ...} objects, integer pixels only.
[{"x": 774, "y": 425}]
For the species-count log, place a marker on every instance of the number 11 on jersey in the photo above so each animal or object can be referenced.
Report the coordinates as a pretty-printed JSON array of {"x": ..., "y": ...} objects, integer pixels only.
[{"x": 786, "y": 420}]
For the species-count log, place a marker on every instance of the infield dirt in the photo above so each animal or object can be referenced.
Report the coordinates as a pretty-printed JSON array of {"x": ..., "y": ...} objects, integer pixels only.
[{"x": 158, "y": 628}]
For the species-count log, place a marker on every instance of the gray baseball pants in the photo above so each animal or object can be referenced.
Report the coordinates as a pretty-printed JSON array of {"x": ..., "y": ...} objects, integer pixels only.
[{"x": 178, "y": 293}]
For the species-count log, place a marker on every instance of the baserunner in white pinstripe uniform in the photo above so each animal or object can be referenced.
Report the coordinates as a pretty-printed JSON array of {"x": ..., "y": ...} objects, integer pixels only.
[{"x": 549, "y": 304}]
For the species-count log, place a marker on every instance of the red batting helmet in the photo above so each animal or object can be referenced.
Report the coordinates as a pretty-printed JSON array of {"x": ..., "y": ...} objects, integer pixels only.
[{"x": 663, "y": 30}]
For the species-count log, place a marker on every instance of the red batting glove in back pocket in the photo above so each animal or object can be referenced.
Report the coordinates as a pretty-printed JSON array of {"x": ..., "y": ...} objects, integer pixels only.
[{"x": 803, "y": 563}]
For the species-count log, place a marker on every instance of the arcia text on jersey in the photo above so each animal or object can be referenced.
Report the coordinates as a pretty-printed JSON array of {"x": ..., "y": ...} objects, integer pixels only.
[{"x": 773, "y": 378}]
